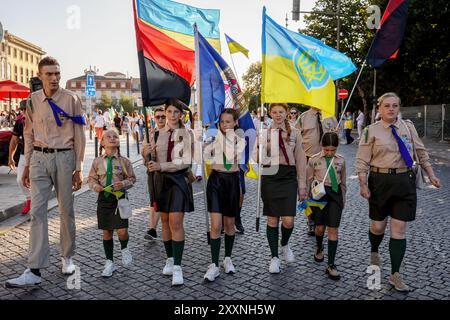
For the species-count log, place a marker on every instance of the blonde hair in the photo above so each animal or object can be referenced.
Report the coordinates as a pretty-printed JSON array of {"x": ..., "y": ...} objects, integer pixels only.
[
  {"x": 389, "y": 95},
  {"x": 102, "y": 147},
  {"x": 286, "y": 121}
]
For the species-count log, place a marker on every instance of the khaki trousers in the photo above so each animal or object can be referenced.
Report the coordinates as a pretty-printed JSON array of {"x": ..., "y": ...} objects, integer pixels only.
[{"x": 47, "y": 170}]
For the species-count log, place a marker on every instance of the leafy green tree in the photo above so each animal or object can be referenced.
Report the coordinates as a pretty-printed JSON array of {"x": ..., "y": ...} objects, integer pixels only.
[
  {"x": 127, "y": 103},
  {"x": 252, "y": 85}
]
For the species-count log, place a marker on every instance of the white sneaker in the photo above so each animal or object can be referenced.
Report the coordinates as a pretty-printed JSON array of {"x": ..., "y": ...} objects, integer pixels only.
[
  {"x": 68, "y": 268},
  {"x": 168, "y": 268},
  {"x": 212, "y": 273},
  {"x": 288, "y": 255},
  {"x": 274, "y": 265},
  {"x": 127, "y": 259},
  {"x": 177, "y": 277},
  {"x": 109, "y": 269},
  {"x": 228, "y": 266},
  {"x": 27, "y": 279}
]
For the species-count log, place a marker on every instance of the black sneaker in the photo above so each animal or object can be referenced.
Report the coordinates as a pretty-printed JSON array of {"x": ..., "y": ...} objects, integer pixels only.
[
  {"x": 240, "y": 229},
  {"x": 151, "y": 235}
]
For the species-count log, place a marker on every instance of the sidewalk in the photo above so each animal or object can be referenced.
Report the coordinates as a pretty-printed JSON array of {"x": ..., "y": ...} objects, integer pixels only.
[
  {"x": 438, "y": 150},
  {"x": 11, "y": 198}
]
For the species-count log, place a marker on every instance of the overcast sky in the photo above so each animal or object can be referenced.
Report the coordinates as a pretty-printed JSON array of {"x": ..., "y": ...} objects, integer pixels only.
[{"x": 106, "y": 38}]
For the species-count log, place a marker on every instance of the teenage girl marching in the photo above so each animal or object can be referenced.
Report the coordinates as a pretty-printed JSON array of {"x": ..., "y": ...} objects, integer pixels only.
[
  {"x": 223, "y": 190},
  {"x": 173, "y": 153},
  {"x": 335, "y": 186},
  {"x": 280, "y": 187},
  {"x": 111, "y": 169}
]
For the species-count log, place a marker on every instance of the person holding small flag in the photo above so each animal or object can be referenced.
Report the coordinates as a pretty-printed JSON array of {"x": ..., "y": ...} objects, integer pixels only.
[
  {"x": 283, "y": 183},
  {"x": 385, "y": 166},
  {"x": 329, "y": 217},
  {"x": 110, "y": 176},
  {"x": 54, "y": 152}
]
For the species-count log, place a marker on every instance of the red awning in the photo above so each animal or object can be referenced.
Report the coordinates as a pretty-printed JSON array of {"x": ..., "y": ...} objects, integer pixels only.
[{"x": 13, "y": 90}]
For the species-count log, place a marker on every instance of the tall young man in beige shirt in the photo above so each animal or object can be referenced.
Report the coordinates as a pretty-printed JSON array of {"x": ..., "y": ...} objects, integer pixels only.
[{"x": 54, "y": 152}]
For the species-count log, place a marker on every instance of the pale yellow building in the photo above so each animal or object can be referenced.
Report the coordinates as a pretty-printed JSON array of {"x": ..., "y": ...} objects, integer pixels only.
[{"x": 19, "y": 61}]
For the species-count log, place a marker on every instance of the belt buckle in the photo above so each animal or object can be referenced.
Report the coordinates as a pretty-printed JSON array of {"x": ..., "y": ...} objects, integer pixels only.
[{"x": 392, "y": 171}]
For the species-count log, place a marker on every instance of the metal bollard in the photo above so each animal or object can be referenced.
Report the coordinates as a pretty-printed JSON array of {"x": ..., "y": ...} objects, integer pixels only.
[
  {"x": 128, "y": 144},
  {"x": 90, "y": 132},
  {"x": 96, "y": 146}
]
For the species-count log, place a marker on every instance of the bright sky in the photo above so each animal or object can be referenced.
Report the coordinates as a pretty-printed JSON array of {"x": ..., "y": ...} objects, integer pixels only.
[{"x": 106, "y": 38}]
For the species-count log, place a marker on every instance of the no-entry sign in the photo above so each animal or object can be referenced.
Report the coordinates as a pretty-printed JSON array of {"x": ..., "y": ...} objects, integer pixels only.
[{"x": 343, "y": 94}]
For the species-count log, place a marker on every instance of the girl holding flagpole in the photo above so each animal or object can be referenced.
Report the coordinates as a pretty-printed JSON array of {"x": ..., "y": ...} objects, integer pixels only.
[
  {"x": 328, "y": 161},
  {"x": 284, "y": 180},
  {"x": 223, "y": 190},
  {"x": 173, "y": 153},
  {"x": 388, "y": 150}
]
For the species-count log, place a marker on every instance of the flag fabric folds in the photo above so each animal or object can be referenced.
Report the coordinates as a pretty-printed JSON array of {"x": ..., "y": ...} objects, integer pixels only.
[
  {"x": 219, "y": 90},
  {"x": 390, "y": 35},
  {"x": 300, "y": 69},
  {"x": 236, "y": 47},
  {"x": 165, "y": 39}
]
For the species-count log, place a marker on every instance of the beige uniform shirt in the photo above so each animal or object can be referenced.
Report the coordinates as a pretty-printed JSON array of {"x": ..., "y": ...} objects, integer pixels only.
[
  {"x": 182, "y": 153},
  {"x": 379, "y": 148},
  {"x": 294, "y": 150},
  {"x": 42, "y": 131},
  {"x": 311, "y": 131},
  {"x": 146, "y": 147},
  {"x": 317, "y": 168},
  {"x": 122, "y": 172},
  {"x": 232, "y": 145}
]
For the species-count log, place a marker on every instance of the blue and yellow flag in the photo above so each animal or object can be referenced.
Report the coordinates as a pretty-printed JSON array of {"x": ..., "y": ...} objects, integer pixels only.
[
  {"x": 300, "y": 69},
  {"x": 235, "y": 47}
]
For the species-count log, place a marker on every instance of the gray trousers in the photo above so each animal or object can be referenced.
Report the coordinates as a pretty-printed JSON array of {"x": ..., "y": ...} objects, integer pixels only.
[{"x": 47, "y": 170}]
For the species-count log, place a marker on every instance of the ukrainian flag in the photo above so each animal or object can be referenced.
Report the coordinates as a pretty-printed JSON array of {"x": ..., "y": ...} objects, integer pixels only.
[
  {"x": 300, "y": 69},
  {"x": 236, "y": 47}
]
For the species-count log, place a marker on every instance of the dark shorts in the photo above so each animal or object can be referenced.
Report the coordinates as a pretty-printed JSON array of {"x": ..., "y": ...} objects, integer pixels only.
[
  {"x": 174, "y": 192},
  {"x": 331, "y": 215},
  {"x": 223, "y": 193},
  {"x": 279, "y": 192},
  {"x": 392, "y": 195},
  {"x": 107, "y": 215}
]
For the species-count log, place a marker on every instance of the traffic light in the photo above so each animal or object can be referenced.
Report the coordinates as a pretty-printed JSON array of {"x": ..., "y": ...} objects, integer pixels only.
[{"x": 296, "y": 11}]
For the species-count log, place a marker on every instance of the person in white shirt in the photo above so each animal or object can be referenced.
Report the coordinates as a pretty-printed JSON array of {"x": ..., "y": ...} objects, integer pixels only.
[
  {"x": 360, "y": 123},
  {"x": 99, "y": 125}
]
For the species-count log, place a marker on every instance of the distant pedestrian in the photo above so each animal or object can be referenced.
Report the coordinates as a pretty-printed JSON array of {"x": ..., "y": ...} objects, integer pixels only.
[
  {"x": 99, "y": 125},
  {"x": 111, "y": 169},
  {"x": 348, "y": 125},
  {"x": 360, "y": 123}
]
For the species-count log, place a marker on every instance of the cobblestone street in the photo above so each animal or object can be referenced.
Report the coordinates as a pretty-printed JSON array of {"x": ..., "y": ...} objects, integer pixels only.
[{"x": 426, "y": 265}]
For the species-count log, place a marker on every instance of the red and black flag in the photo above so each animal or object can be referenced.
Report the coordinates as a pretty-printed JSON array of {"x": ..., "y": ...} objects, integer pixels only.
[
  {"x": 165, "y": 43},
  {"x": 389, "y": 36}
]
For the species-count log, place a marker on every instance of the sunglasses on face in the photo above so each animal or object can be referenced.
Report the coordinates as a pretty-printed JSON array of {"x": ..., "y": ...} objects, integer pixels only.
[
  {"x": 160, "y": 117},
  {"x": 294, "y": 113}
]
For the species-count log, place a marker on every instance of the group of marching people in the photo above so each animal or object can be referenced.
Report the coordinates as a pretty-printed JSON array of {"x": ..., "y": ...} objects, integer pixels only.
[{"x": 294, "y": 155}]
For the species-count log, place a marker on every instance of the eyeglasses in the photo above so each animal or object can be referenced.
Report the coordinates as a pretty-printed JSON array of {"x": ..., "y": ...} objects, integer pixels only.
[
  {"x": 294, "y": 113},
  {"x": 160, "y": 117}
]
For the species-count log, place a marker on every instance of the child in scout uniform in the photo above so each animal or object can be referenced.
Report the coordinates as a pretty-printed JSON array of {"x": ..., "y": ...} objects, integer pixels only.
[
  {"x": 387, "y": 151},
  {"x": 335, "y": 186},
  {"x": 284, "y": 178},
  {"x": 173, "y": 157},
  {"x": 313, "y": 126},
  {"x": 223, "y": 190},
  {"x": 112, "y": 169}
]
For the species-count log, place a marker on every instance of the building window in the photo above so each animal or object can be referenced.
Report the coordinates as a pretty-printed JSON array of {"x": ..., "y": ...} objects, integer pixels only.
[
  {"x": 8, "y": 72},
  {"x": 103, "y": 85},
  {"x": 32, "y": 73},
  {"x": 113, "y": 85},
  {"x": 15, "y": 53},
  {"x": 26, "y": 57},
  {"x": 9, "y": 51},
  {"x": 123, "y": 85},
  {"x": 21, "y": 55},
  {"x": 73, "y": 84},
  {"x": 21, "y": 71}
]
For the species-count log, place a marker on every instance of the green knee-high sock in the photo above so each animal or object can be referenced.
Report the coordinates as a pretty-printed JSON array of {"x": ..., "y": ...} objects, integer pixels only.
[
  {"x": 319, "y": 242},
  {"x": 124, "y": 243},
  {"x": 397, "y": 249},
  {"x": 272, "y": 237},
  {"x": 332, "y": 248},
  {"x": 178, "y": 247},
  {"x": 375, "y": 241},
  {"x": 229, "y": 242},
  {"x": 169, "y": 248},
  {"x": 108, "y": 245},
  {"x": 215, "y": 251},
  {"x": 285, "y": 235}
]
